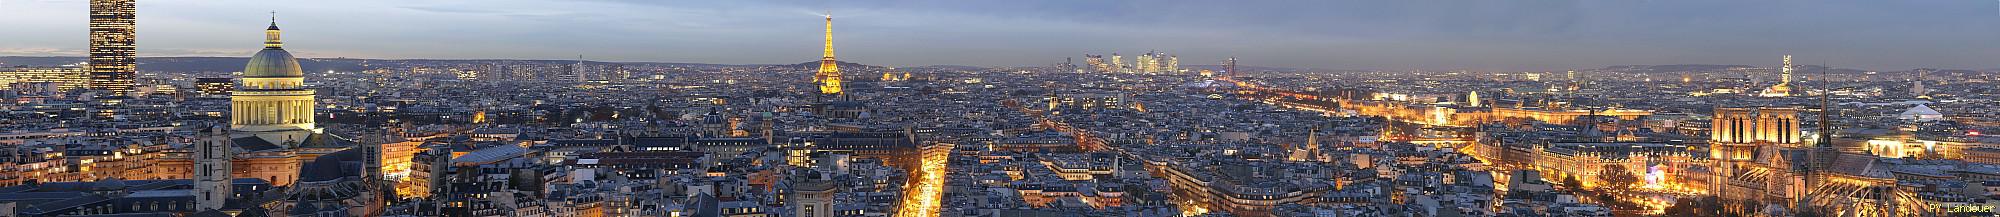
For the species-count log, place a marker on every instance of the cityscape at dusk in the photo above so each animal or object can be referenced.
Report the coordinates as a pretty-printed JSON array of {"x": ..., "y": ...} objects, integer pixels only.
[{"x": 532, "y": 108}]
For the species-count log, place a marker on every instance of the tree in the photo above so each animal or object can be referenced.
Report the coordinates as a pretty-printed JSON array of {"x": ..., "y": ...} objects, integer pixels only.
[
  {"x": 1814, "y": 211},
  {"x": 525, "y": 180},
  {"x": 1709, "y": 206},
  {"x": 1570, "y": 182},
  {"x": 1617, "y": 177}
]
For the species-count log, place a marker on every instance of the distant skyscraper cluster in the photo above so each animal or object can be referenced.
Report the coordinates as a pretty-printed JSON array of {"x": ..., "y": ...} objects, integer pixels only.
[
  {"x": 1096, "y": 63},
  {"x": 1153, "y": 62},
  {"x": 1156, "y": 62},
  {"x": 1229, "y": 67},
  {"x": 54, "y": 78}
]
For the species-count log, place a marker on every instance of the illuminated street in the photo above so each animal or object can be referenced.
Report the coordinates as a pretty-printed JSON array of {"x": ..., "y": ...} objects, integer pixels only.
[{"x": 924, "y": 195}]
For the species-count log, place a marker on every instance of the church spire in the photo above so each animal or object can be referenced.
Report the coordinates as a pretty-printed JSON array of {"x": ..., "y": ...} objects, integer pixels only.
[
  {"x": 1825, "y": 111},
  {"x": 271, "y": 34}
]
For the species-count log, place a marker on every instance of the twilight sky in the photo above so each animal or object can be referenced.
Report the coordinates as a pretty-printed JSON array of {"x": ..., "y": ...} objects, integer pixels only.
[{"x": 1335, "y": 34}]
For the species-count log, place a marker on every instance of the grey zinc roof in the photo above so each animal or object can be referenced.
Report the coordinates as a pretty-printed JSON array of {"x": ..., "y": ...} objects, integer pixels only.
[{"x": 272, "y": 62}]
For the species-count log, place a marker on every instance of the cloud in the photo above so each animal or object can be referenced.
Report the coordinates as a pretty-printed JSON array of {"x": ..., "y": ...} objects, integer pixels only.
[
  {"x": 198, "y": 52},
  {"x": 435, "y": 9},
  {"x": 40, "y": 52}
]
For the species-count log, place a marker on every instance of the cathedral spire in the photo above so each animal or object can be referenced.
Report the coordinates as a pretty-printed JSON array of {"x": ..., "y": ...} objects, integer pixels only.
[{"x": 1825, "y": 111}]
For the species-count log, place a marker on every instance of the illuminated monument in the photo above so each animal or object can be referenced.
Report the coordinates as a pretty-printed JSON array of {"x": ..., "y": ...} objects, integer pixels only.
[
  {"x": 271, "y": 117},
  {"x": 274, "y": 138},
  {"x": 1760, "y": 158},
  {"x": 829, "y": 70},
  {"x": 1784, "y": 86},
  {"x": 1739, "y": 134},
  {"x": 273, "y": 103}
]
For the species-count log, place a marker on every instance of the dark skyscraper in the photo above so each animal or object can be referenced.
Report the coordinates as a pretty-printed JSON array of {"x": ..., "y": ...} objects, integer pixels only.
[
  {"x": 1229, "y": 67},
  {"x": 112, "y": 56}
]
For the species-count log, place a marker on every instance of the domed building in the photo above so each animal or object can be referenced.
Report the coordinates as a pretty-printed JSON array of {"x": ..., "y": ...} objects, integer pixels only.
[
  {"x": 272, "y": 136},
  {"x": 273, "y": 102},
  {"x": 271, "y": 117},
  {"x": 1921, "y": 113}
]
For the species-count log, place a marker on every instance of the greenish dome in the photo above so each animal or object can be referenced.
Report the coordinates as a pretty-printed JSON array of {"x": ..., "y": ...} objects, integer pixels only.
[{"x": 272, "y": 63}]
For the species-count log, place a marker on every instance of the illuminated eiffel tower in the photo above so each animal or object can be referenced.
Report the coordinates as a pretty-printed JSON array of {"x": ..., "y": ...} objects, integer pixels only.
[{"x": 828, "y": 77}]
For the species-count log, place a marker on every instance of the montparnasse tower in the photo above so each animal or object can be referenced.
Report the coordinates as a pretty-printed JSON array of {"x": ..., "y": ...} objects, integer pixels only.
[
  {"x": 829, "y": 70},
  {"x": 272, "y": 101},
  {"x": 112, "y": 54}
]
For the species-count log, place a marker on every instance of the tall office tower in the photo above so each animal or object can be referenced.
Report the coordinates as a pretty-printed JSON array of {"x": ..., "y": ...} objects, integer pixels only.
[
  {"x": 1117, "y": 63},
  {"x": 620, "y": 74},
  {"x": 576, "y": 71},
  {"x": 1784, "y": 86},
  {"x": 1173, "y": 63},
  {"x": 829, "y": 70},
  {"x": 212, "y": 171},
  {"x": 112, "y": 56},
  {"x": 1786, "y": 71},
  {"x": 1096, "y": 63},
  {"x": 1146, "y": 63},
  {"x": 1917, "y": 88},
  {"x": 1160, "y": 62},
  {"x": 1153, "y": 65},
  {"x": 1575, "y": 82},
  {"x": 1069, "y": 64},
  {"x": 1229, "y": 67}
]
